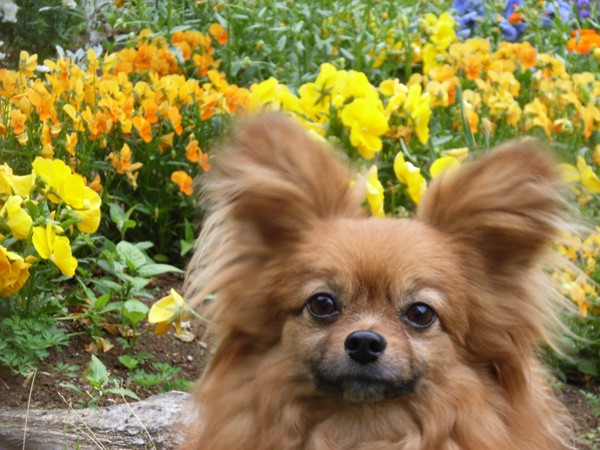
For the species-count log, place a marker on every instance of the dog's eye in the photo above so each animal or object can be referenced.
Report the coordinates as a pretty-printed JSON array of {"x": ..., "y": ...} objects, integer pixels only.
[
  {"x": 322, "y": 306},
  {"x": 419, "y": 315}
]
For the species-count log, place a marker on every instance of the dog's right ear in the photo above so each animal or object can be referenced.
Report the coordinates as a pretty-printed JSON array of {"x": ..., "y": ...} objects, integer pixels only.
[{"x": 271, "y": 176}]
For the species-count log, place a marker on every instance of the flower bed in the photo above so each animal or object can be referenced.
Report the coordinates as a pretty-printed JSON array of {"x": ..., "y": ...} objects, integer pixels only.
[{"x": 99, "y": 148}]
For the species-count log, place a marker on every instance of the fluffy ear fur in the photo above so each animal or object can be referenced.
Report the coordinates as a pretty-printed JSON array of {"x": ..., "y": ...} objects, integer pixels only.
[
  {"x": 270, "y": 178},
  {"x": 265, "y": 189},
  {"x": 505, "y": 205},
  {"x": 505, "y": 209}
]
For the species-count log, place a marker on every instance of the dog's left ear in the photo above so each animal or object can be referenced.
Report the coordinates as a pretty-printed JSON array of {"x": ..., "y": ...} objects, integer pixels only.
[
  {"x": 505, "y": 205},
  {"x": 275, "y": 179}
]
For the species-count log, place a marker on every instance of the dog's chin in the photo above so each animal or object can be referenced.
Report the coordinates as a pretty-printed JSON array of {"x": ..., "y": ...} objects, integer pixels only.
[{"x": 355, "y": 388}]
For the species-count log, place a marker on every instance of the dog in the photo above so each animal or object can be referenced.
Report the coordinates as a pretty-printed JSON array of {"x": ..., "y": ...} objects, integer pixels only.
[{"x": 336, "y": 330}]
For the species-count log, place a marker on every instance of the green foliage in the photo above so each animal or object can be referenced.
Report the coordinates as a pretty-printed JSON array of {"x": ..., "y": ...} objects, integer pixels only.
[
  {"x": 593, "y": 435},
  {"x": 100, "y": 383},
  {"x": 151, "y": 217},
  {"x": 133, "y": 361},
  {"x": 187, "y": 244},
  {"x": 114, "y": 296},
  {"x": 24, "y": 342},
  {"x": 582, "y": 349},
  {"x": 41, "y": 26},
  {"x": 164, "y": 376},
  {"x": 62, "y": 369},
  {"x": 121, "y": 218},
  {"x": 128, "y": 269}
]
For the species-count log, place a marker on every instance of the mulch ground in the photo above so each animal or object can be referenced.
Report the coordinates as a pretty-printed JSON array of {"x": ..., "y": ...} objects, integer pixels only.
[{"x": 46, "y": 391}]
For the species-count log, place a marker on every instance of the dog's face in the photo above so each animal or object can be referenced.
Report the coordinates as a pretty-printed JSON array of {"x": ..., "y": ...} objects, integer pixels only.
[
  {"x": 376, "y": 309},
  {"x": 326, "y": 318},
  {"x": 367, "y": 310}
]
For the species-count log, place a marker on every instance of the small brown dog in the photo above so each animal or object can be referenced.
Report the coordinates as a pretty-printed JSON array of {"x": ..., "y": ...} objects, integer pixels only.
[{"x": 339, "y": 331}]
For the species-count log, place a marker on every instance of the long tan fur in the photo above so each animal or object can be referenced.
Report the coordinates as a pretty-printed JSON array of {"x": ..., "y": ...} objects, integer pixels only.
[{"x": 285, "y": 223}]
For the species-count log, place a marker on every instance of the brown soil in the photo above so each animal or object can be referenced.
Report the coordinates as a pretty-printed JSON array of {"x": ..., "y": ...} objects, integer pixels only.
[
  {"x": 45, "y": 390},
  {"x": 586, "y": 419}
]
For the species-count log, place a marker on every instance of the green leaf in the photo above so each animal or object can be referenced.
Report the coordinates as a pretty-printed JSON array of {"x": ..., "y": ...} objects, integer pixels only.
[
  {"x": 88, "y": 292},
  {"x": 102, "y": 301},
  {"x": 151, "y": 270},
  {"x": 112, "y": 306},
  {"x": 588, "y": 366},
  {"x": 71, "y": 386},
  {"x": 189, "y": 230},
  {"x": 121, "y": 391},
  {"x": 107, "y": 284},
  {"x": 281, "y": 43},
  {"x": 135, "y": 311},
  {"x": 186, "y": 247},
  {"x": 96, "y": 374},
  {"x": 144, "y": 245},
  {"x": 121, "y": 218},
  {"x": 133, "y": 256},
  {"x": 128, "y": 361}
]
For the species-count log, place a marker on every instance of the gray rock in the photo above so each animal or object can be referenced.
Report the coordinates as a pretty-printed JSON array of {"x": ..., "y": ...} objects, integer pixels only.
[{"x": 155, "y": 422}]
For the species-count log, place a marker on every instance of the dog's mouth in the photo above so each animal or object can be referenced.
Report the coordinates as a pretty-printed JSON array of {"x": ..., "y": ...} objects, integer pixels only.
[{"x": 360, "y": 388}]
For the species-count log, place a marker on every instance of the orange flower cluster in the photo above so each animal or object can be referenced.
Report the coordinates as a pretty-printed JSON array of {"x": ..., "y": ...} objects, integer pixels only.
[
  {"x": 582, "y": 41},
  {"x": 558, "y": 101},
  {"x": 140, "y": 94}
]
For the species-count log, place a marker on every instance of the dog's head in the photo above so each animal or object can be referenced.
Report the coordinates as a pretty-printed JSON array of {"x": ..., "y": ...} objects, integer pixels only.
[{"x": 366, "y": 309}]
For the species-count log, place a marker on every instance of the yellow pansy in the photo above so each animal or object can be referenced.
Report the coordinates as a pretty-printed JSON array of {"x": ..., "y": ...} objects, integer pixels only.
[
  {"x": 596, "y": 155},
  {"x": 443, "y": 164},
  {"x": 55, "y": 248},
  {"x": 588, "y": 177},
  {"x": 27, "y": 64},
  {"x": 442, "y": 29},
  {"x": 417, "y": 105},
  {"x": 59, "y": 178},
  {"x": 569, "y": 173},
  {"x": 18, "y": 220},
  {"x": 374, "y": 192},
  {"x": 21, "y": 185},
  {"x": 367, "y": 123},
  {"x": 89, "y": 213},
  {"x": 274, "y": 95},
  {"x": 355, "y": 85},
  {"x": 461, "y": 153},
  {"x": 315, "y": 98},
  {"x": 396, "y": 93},
  {"x": 411, "y": 176},
  {"x": 71, "y": 142},
  {"x": 14, "y": 272},
  {"x": 167, "y": 310},
  {"x": 263, "y": 93}
]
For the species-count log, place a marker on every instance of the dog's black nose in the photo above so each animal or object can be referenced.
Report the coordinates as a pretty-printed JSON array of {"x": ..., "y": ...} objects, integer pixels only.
[{"x": 364, "y": 347}]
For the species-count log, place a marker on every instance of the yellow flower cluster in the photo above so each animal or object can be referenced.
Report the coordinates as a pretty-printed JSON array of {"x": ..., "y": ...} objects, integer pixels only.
[
  {"x": 578, "y": 285},
  {"x": 366, "y": 112},
  {"x": 558, "y": 101},
  {"x": 138, "y": 93},
  {"x": 19, "y": 195},
  {"x": 582, "y": 177},
  {"x": 493, "y": 84}
]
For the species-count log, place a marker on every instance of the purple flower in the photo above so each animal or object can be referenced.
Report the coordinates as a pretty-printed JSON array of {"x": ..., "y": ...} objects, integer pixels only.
[
  {"x": 469, "y": 14},
  {"x": 584, "y": 6},
  {"x": 557, "y": 8},
  {"x": 511, "y": 7},
  {"x": 512, "y": 32}
]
